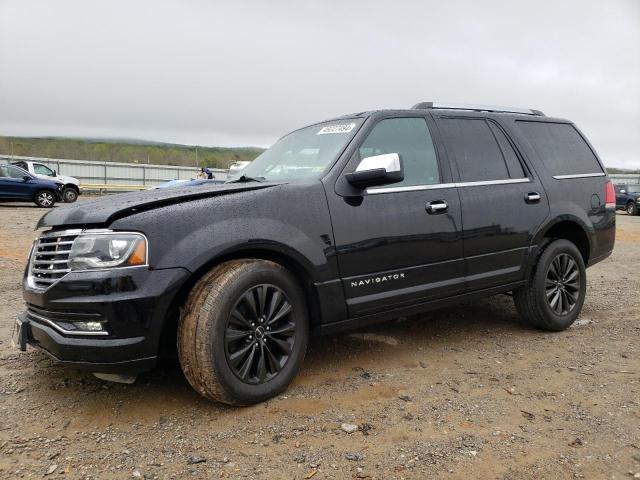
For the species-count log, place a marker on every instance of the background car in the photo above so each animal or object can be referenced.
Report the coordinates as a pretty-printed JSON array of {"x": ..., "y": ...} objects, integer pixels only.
[
  {"x": 18, "y": 185},
  {"x": 237, "y": 167},
  {"x": 627, "y": 197},
  {"x": 71, "y": 185}
]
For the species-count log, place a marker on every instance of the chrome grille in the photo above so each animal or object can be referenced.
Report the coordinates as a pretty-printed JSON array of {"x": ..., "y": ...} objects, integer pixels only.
[{"x": 50, "y": 257}]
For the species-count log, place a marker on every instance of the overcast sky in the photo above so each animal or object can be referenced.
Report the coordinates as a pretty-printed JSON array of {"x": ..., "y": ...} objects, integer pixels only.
[{"x": 244, "y": 73}]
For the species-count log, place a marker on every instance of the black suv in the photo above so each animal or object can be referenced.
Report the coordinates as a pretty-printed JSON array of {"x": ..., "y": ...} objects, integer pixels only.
[
  {"x": 340, "y": 224},
  {"x": 627, "y": 198}
]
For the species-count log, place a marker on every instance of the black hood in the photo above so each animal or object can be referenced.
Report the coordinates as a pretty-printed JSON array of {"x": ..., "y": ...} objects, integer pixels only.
[{"x": 104, "y": 210}]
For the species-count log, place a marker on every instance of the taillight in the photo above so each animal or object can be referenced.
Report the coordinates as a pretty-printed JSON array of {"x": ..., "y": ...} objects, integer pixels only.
[{"x": 610, "y": 195}]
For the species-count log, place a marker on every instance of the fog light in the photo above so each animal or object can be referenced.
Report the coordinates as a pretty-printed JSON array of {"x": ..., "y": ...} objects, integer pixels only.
[{"x": 89, "y": 326}]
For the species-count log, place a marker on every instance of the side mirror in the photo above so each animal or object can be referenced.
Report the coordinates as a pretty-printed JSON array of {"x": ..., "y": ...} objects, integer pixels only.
[
  {"x": 55, "y": 174},
  {"x": 377, "y": 170},
  {"x": 26, "y": 178}
]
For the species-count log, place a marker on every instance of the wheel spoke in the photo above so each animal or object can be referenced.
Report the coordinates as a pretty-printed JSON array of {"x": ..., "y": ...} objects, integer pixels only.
[
  {"x": 250, "y": 300},
  {"x": 262, "y": 367},
  {"x": 554, "y": 301},
  {"x": 571, "y": 266},
  {"x": 261, "y": 294},
  {"x": 273, "y": 361},
  {"x": 232, "y": 335},
  {"x": 553, "y": 272},
  {"x": 571, "y": 298},
  {"x": 274, "y": 304},
  {"x": 283, "y": 345},
  {"x": 573, "y": 277},
  {"x": 240, "y": 319},
  {"x": 248, "y": 363},
  {"x": 286, "y": 330},
  {"x": 560, "y": 304},
  {"x": 237, "y": 357},
  {"x": 284, "y": 310}
]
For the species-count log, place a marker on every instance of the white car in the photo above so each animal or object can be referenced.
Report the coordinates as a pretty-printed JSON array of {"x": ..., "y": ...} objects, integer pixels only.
[
  {"x": 71, "y": 185},
  {"x": 237, "y": 167}
]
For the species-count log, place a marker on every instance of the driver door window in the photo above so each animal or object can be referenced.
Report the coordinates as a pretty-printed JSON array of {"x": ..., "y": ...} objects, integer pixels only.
[
  {"x": 42, "y": 170},
  {"x": 410, "y": 138}
]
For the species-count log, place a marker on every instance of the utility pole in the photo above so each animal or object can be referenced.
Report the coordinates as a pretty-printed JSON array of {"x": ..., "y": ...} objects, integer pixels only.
[
  {"x": 197, "y": 163},
  {"x": 11, "y": 150}
]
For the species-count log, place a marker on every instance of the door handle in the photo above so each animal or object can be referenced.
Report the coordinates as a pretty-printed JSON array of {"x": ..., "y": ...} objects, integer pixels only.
[
  {"x": 436, "y": 207},
  {"x": 532, "y": 197}
]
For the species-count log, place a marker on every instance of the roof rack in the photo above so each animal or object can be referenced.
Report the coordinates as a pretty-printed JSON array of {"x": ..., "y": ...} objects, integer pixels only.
[{"x": 475, "y": 108}]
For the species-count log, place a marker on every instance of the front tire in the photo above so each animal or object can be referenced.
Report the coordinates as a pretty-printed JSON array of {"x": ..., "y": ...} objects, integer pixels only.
[
  {"x": 632, "y": 208},
  {"x": 243, "y": 332},
  {"x": 69, "y": 195},
  {"x": 45, "y": 199},
  {"x": 556, "y": 288}
]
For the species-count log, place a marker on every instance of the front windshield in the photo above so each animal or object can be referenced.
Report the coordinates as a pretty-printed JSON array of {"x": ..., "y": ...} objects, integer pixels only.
[
  {"x": 302, "y": 154},
  {"x": 633, "y": 189}
]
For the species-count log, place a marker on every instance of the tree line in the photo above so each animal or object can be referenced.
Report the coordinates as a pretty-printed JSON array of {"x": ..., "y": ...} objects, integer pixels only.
[{"x": 126, "y": 151}]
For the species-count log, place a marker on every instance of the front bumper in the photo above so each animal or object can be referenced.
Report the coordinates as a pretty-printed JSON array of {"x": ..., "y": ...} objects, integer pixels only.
[{"x": 132, "y": 303}]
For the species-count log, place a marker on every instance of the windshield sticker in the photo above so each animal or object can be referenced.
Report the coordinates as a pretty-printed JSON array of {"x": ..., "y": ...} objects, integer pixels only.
[{"x": 339, "y": 128}]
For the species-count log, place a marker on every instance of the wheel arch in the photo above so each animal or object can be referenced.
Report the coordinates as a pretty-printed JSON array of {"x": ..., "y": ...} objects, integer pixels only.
[
  {"x": 569, "y": 228},
  {"x": 280, "y": 254}
]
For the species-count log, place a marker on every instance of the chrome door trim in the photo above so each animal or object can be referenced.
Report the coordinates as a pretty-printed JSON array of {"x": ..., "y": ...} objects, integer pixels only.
[
  {"x": 579, "y": 175},
  {"x": 493, "y": 182},
  {"x": 414, "y": 188}
]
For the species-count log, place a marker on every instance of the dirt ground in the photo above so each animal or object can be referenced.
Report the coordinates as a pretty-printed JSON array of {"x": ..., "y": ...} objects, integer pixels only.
[{"x": 467, "y": 392}]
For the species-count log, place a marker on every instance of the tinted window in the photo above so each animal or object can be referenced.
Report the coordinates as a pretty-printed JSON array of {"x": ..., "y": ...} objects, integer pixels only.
[
  {"x": 476, "y": 150},
  {"x": 42, "y": 170},
  {"x": 508, "y": 153},
  {"x": 619, "y": 188},
  {"x": 560, "y": 147},
  {"x": 11, "y": 172},
  {"x": 410, "y": 138}
]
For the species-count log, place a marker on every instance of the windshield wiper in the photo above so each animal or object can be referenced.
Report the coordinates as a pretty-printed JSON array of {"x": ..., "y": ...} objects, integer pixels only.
[{"x": 245, "y": 178}]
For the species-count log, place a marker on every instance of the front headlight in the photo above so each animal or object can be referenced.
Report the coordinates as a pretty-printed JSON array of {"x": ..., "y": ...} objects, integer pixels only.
[{"x": 107, "y": 250}]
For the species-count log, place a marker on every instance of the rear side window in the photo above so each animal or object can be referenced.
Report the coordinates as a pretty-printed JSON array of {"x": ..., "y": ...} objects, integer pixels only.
[
  {"x": 560, "y": 147},
  {"x": 481, "y": 150},
  {"x": 410, "y": 138},
  {"x": 7, "y": 171}
]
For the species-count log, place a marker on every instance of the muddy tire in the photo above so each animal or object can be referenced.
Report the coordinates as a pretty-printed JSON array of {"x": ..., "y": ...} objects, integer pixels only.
[
  {"x": 243, "y": 332},
  {"x": 555, "y": 291},
  {"x": 69, "y": 195}
]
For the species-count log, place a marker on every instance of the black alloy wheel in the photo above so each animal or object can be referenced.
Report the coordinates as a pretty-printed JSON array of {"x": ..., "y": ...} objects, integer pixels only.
[
  {"x": 260, "y": 334},
  {"x": 562, "y": 284}
]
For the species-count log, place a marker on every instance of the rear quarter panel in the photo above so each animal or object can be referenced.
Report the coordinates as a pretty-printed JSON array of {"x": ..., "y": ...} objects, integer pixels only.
[{"x": 581, "y": 200}]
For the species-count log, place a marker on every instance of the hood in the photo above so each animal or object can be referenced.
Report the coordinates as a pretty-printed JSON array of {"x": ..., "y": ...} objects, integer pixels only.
[
  {"x": 106, "y": 209},
  {"x": 65, "y": 179}
]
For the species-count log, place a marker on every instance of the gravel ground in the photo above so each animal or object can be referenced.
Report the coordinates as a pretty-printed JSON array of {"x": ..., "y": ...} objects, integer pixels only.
[{"x": 467, "y": 392}]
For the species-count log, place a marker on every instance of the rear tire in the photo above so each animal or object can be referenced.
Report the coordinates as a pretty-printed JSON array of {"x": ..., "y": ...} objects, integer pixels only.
[
  {"x": 632, "y": 208},
  {"x": 69, "y": 195},
  {"x": 556, "y": 288},
  {"x": 45, "y": 199},
  {"x": 243, "y": 332}
]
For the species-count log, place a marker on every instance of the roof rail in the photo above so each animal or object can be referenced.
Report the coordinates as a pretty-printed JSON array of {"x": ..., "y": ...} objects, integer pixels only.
[{"x": 475, "y": 108}]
